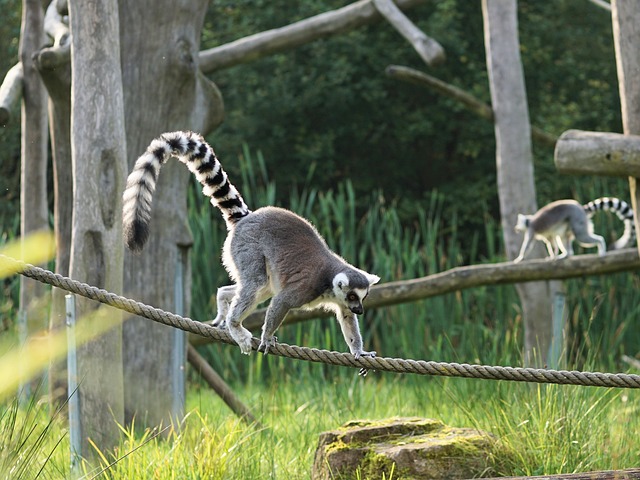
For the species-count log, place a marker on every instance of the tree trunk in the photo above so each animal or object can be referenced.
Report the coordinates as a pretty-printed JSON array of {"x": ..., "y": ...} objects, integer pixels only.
[
  {"x": 57, "y": 79},
  {"x": 163, "y": 91},
  {"x": 99, "y": 165},
  {"x": 33, "y": 178},
  {"x": 514, "y": 160},
  {"x": 625, "y": 15}
]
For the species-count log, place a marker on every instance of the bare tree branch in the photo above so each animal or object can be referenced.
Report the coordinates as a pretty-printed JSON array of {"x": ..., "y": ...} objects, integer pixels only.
[
  {"x": 429, "y": 50},
  {"x": 470, "y": 102},
  {"x": 299, "y": 33},
  {"x": 461, "y": 278},
  {"x": 602, "y": 4},
  {"x": 10, "y": 92}
]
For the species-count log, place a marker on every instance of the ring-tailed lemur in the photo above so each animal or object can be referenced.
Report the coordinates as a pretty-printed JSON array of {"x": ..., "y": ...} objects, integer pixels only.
[
  {"x": 271, "y": 252},
  {"x": 565, "y": 220}
]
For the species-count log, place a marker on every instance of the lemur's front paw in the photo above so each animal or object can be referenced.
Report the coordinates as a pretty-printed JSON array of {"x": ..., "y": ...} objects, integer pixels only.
[
  {"x": 242, "y": 336},
  {"x": 267, "y": 343},
  {"x": 518, "y": 259},
  {"x": 362, "y": 353}
]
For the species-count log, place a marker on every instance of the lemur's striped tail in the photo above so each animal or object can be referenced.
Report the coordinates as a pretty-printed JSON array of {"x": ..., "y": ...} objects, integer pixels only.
[
  {"x": 192, "y": 150},
  {"x": 622, "y": 210}
]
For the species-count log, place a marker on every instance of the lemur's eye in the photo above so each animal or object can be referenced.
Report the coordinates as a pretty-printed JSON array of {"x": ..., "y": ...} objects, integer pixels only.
[{"x": 352, "y": 297}]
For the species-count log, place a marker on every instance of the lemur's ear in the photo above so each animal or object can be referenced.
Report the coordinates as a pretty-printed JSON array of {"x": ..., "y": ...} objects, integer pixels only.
[
  {"x": 373, "y": 279},
  {"x": 341, "y": 281}
]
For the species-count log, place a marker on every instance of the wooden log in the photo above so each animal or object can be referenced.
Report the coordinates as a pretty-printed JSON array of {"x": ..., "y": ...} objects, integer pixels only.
[
  {"x": 223, "y": 390},
  {"x": 324, "y": 25},
  {"x": 429, "y": 50},
  {"x": 461, "y": 278},
  {"x": 471, "y": 103},
  {"x": 598, "y": 153},
  {"x": 601, "y": 475}
]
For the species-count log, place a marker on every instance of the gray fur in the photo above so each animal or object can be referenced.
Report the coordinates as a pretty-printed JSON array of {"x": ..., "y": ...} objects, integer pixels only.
[
  {"x": 269, "y": 253},
  {"x": 559, "y": 223}
]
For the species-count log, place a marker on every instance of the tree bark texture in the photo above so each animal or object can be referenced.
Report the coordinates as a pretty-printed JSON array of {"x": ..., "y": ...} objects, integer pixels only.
[
  {"x": 58, "y": 83},
  {"x": 514, "y": 160},
  {"x": 625, "y": 15},
  {"x": 99, "y": 165},
  {"x": 33, "y": 177},
  {"x": 598, "y": 153},
  {"x": 164, "y": 90}
]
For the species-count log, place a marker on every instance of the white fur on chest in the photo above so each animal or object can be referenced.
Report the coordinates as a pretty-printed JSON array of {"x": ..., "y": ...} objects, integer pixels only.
[{"x": 559, "y": 229}]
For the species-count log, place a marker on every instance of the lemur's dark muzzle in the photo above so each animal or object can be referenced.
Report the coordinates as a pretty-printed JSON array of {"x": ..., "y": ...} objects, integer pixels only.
[{"x": 357, "y": 309}]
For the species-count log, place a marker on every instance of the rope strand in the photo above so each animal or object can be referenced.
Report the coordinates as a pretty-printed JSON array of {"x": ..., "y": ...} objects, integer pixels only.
[{"x": 395, "y": 365}]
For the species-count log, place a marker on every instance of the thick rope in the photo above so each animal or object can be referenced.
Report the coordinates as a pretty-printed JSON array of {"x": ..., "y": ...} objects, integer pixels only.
[{"x": 396, "y": 365}]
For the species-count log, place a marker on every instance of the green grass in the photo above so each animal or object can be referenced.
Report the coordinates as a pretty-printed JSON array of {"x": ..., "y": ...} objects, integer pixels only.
[{"x": 551, "y": 429}]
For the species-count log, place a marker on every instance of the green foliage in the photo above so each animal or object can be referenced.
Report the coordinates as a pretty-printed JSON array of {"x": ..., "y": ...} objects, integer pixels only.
[
  {"x": 552, "y": 429},
  {"x": 28, "y": 439},
  {"x": 330, "y": 105},
  {"x": 10, "y": 133}
]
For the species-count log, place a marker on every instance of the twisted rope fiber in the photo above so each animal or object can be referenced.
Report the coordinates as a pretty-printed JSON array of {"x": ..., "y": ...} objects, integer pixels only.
[{"x": 396, "y": 365}]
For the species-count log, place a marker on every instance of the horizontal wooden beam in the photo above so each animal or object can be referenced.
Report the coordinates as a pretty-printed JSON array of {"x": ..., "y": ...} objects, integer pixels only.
[
  {"x": 461, "y": 278},
  {"x": 598, "y": 153}
]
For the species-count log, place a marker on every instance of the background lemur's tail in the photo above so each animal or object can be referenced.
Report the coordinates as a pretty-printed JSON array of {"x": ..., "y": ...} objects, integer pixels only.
[
  {"x": 192, "y": 150},
  {"x": 622, "y": 210}
]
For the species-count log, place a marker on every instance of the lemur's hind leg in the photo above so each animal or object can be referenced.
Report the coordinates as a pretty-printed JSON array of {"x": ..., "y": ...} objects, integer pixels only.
[
  {"x": 223, "y": 302},
  {"x": 244, "y": 302},
  {"x": 251, "y": 289},
  {"x": 584, "y": 235},
  {"x": 278, "y": 309}
]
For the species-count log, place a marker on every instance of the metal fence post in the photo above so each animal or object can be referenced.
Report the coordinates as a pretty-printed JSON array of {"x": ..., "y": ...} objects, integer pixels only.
[{"x": 75, "y": 437}]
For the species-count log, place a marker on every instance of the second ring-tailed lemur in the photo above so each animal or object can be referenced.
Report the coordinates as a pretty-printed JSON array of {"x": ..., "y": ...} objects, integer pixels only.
[
  {"x": 271, "y": 252},
  {"x": 565, "y": 220}
]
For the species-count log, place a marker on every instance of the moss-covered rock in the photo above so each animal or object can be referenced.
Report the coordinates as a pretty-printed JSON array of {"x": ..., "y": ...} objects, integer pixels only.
[{"x": 403, "y": 449}]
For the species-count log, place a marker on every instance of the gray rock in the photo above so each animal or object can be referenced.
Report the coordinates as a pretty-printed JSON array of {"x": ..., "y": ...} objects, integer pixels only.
[{"x": 403, "y": 449}]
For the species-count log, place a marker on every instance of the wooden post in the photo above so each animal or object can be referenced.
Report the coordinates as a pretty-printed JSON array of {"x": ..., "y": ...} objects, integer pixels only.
[
  {"x": 34, "y": 214},
  {"x": 625, "y": 15},
  {"x": 514, "y": 163},
  {"x": 99, "y": 165}
]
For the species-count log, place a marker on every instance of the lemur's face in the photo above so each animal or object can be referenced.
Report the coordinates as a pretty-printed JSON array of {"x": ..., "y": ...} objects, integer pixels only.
[
  {"x": 523, "y": 223},
  {"x": 352, "y": 296}
]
